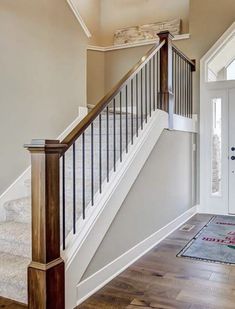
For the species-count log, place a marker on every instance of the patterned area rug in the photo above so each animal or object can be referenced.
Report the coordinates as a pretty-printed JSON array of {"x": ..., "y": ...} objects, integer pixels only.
[{"x": 214, "y": 243}]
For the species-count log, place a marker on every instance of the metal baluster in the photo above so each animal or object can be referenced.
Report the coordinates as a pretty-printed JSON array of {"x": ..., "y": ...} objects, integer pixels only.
[
  {"x": 150, "y": 87},
  {"x": 185, "y": 90},
  {"x": 180, "y": 87},
  {"x": 173, "y": 77},
  {"x": 107, "y": 141},
  {"x": 141, "y": 102},
  {"x": 146, "y": 94},
  {"x": 120, "y": 126},
  {"x": 175, "y": 83},
  {"x": 158, "y": 81},
  {"x": 114, "y": 135},
  {"x": 92, "y": 164},
  {"x": 191, "y": 92},
  {"x": 74, "y": 188},
  {"x": 63, "y": 201},
  {"x": 83, "y": 178},
  {"x": 100, "y": 153},
  {"x": 126, "y": 119},
  {"x": 137, "y": 104},
  {"x": 154, "y": 82},
  {"x": 132, "y": 116}
]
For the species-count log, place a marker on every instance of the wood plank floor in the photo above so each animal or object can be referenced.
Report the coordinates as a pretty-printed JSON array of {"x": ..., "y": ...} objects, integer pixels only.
[
  {"x": 10, "y": 304},
  {"x": 162, "y": 280}
]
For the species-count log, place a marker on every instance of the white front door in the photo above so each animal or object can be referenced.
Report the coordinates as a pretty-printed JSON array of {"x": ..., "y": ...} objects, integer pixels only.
[
  {"x": 217, "y": 179},
  {"x": 231, "y": 151}
]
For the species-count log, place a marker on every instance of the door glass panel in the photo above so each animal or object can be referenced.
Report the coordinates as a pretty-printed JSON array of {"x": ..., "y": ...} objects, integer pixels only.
[
  {"x": 231, "y": 71},
  {"x": 216, "y": 147}
]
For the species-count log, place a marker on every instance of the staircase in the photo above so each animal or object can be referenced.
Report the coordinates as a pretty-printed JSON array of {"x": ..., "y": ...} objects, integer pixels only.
[
  {"x": 69, "y": 177},
  {"x": 15, "y": 232}
]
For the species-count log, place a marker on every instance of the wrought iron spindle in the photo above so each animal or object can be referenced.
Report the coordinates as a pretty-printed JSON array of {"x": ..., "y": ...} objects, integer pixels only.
[
  {"x": 132, "y": 112},
  {"x": 74, "y": 188},
  {"x": 63, "y": 201},
  {"x": 114, "y": 135},
  {"x": 126, "y": 98},
  {"x": 83, "y": 178},
  {"x": 154, "y": 82},
  {"x": 92, "y": 164},
  {"x": 137, "y": 104},
  {"x": 107, "y": 142},
  {"x": 146, "y": 93},
  {"x": 141, "y": 98},
  {"x": 100, "y": 153},
  {"x": 120, "y": 102}
]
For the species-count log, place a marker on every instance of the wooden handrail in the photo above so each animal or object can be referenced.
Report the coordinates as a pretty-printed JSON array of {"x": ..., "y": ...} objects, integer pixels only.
[
  {"x": 182, "y": 55},
  {"x": 94, "y": 113}
]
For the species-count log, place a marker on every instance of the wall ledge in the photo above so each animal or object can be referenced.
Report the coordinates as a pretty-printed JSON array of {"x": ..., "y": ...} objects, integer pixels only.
[{"x": 131, "y": 45}]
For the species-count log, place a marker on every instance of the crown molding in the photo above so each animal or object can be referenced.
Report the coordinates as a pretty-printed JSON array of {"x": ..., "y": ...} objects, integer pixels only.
[
  {"x": 79, "y": 18},
  {"x": 136, "y": 44}
]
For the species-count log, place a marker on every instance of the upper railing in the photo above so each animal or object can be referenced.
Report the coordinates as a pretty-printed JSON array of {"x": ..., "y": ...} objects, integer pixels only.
[
  {"x": 68, "y": 176},
  {"x": 182, "y": 83}
]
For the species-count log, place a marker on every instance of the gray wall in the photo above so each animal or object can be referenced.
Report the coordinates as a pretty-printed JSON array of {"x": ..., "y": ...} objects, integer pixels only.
[
  {"x": 43, "y": 77},
  {"x": 161, "y": 193}
]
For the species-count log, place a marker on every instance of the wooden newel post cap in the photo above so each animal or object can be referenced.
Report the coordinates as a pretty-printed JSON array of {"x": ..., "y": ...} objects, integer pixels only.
[
  {"x": 52, "y": 146},
  {"x": 165, "y": 35}
]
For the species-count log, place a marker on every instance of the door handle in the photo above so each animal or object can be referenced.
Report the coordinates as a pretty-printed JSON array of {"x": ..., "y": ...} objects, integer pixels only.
[
  {"x": 233, "y": 148},
  {"x": 233, "y": 158}
]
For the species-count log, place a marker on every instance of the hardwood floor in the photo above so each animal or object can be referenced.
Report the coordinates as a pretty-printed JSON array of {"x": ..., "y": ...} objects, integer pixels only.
[
  {"x": 9, "y": 304},
  {"x": 162, "y": 280}
]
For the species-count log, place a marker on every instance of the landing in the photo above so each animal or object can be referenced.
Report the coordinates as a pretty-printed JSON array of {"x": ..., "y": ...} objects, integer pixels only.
[{"x": 162, "y": 280}]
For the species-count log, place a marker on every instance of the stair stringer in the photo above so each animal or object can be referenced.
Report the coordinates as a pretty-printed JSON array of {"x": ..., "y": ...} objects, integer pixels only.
[{"x": 82, "y": 248}]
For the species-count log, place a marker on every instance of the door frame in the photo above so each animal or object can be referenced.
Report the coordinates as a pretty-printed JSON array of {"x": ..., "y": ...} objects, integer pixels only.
[{"x": 206, "y": 90}]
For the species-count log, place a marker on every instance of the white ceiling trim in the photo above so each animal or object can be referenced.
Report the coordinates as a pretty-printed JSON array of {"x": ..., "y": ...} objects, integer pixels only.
[
  {"x": 131, "y": 45},
  {"x": 79, "y": 18}
]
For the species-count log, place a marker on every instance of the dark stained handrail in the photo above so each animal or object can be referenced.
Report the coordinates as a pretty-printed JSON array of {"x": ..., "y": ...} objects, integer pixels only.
[{"x": 94, "y": 113}]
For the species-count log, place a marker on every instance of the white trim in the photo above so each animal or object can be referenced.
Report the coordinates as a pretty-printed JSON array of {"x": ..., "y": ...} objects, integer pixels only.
[
  {"x": 81, "y": 247},
  {"x": 207, "y": 90},
  {"x": 79, "y": 18},
  {"x": 95, "y": 282},
  {"x": 19, "y": 188},
  {"x": 131, "y": 45},
  {"x": 181, "y": 123},
  {"x": 226, "y": 37}
]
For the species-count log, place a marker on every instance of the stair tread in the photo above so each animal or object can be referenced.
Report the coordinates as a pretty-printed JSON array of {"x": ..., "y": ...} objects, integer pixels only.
[{"x": 9, "y": 230}]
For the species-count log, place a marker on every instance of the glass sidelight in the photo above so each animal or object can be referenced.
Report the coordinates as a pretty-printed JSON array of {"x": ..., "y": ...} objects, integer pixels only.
[{"x": 216, "y": 158}]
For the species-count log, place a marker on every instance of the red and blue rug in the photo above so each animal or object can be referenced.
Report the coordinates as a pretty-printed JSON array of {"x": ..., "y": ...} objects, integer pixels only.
[{"x": 214, "y": 243}]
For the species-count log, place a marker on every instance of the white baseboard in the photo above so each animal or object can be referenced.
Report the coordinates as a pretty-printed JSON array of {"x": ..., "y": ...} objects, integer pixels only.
[
  {"x": 95, "y": 282},
  {"x": 18, "y": 188}
]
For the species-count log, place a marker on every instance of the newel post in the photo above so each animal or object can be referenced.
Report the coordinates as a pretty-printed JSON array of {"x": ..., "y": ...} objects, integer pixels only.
[
  {"x": 166, "y": 75},
  {"x": 46, "y": 271}
]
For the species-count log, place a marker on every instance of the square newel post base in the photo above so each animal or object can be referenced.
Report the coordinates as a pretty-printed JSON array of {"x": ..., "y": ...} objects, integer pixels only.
[{"x": 46, "y": 285}]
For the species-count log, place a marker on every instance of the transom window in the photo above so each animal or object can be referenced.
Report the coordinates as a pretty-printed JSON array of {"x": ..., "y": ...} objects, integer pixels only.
[{"x": 222, "y": 65}]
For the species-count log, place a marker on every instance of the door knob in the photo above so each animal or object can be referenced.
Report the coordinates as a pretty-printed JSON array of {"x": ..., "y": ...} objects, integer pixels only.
[
  {"x": 233, "y": 158},
  {"x": 233, "y": 148}
]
